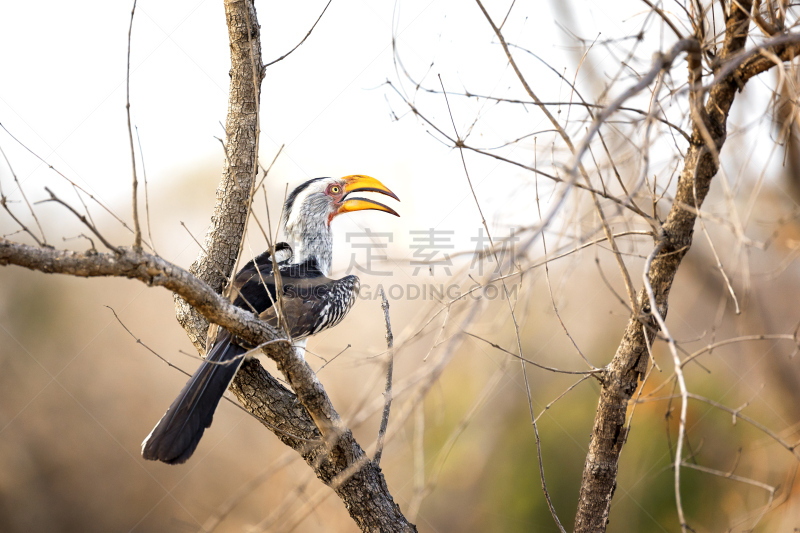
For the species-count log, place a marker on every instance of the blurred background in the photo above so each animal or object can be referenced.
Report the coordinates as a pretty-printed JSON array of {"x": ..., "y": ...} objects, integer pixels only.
[{"x": 78, "y": 394}]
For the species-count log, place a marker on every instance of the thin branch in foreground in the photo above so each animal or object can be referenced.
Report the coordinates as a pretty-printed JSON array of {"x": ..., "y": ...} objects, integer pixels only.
[
  {"x": 534, "y": 363},
  {"x": 146, "y": 193},
  {"x": 185, "y": 373},
  {"x": 549, "y": 405},
  {"x": 665, "y": 18},
  {"x": 331, "y": 360},
  {"x": 422, "y": 488},
  {"x": 146, "y": 347},
  {"x": 389, "y": 370},
  {"x": 92, "y": 250},
  {"x": 568, "y": 141},
  {"x": 266, "y": 170},
  {"x": 61, "y": 174},
  {"x": 83, "y": 203},
  {"x": 662, "y": 62},
  {"x": 218, "y": 271},
  {"x": 727, "y": 475},
  {"x": 23, "y": 227},
  {"x": 578, "y": 165},
  {"x": 418, "y": 451},
  {"x": 547, "y": 277},
  {"x": 24, "y": 197},
  {"x": 137, "y": 239},
  {"x": 692, "y": 357},
  {"x": 284, "y": 56},
  {"x": 459, "y": 143},
  {"x": 738, "y": 311},
  {"x": 218, "y": 516},
  {"x": 278, "y": 516},
  {"x": 656, "y": 313},
  {"x": 793, "y": 448},
  {"x": 54, "y": 198},
  {"x": 541, "y": 476}
]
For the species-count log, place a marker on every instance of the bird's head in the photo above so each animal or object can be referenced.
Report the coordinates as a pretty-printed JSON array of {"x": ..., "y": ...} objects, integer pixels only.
[
  {"x": 311, "y": 207},
  {"x": 320, "y": 200}
]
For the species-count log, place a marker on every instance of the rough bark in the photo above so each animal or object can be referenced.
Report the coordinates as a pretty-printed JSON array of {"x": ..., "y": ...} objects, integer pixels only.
[
  {"x": 621, "y": 377},
  {"x": 356, "y": 479},
  {"x": 336, "y": 458},
  {"x": 363, "y": 488},
  {"x": 224, "y": 235},
  {"x": 304, "y": 418},
  {"x": 154, "y": 271}
]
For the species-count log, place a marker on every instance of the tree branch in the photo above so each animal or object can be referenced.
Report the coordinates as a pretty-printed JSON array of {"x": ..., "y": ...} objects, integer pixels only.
[
  {"x": 363, "y": 489},
  {"x": 621, "y": 377},
  {"x": 358, "y": 482}
]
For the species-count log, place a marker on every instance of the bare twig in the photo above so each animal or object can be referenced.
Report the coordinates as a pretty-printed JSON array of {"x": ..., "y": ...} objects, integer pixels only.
[
  {"x": 387, "y": 395},
  {"x": 92, "y": 228},
  {"x": 549, "y": 284},
  {"x": 549, "y": 405},
  {"x": 418, "y": 448},
  {"x": 245, "y": 490},
  {"x": 137, "y": 231},
  {"x": 665, "y": 18},
  {"x": 265, "y": 171},
  {"x": 656, "y": 313},
  {"x": 494, "y": 253},
  {"x": 74, "y": 185},
  {"x": 578, "y": 165},
  {"x": 284, "y": 56},
  {"x": 24, "y": 197},
  {"x": 727, "y": 475},
  {"x": 663, "y": 61},
  {"x": 146, "y": 193},
  {"x": 185, "y": 373},
  {"x": 421, "y": 487},
  {"x": 23, "y": 227}
]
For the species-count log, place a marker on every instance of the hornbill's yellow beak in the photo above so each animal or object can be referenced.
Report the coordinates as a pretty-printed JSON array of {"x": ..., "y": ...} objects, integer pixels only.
[{"x": 359, "y": 183}]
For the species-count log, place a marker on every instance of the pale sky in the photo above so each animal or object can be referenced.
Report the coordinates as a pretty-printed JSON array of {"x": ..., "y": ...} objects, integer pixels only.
[{"x": 62, "y": 91}]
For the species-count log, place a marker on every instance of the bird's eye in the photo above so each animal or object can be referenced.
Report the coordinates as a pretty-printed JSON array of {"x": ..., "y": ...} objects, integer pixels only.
[{"x": 335, "y": 189}]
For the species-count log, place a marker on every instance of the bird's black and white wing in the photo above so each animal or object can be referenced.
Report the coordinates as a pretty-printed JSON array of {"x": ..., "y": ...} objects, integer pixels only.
[
  {"x": 177, "y": 434},
  {"x": 314, "y": 304},
  {"x": 311, "y": 303}
]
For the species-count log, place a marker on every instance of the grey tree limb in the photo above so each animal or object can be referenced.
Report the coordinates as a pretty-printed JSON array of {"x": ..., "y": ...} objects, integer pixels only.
[
  {"x": 621, "y": 377},
  {"x": 363, "y": 488},
  {"x": 302, "y": 418}
]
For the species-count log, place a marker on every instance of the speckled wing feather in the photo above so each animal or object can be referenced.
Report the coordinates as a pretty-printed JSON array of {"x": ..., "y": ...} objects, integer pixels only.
[{"x": 311, "y": 303}]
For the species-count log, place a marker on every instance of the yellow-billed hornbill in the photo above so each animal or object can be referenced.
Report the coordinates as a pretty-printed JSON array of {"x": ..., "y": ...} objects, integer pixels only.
[{"x": 311, "y": 302}]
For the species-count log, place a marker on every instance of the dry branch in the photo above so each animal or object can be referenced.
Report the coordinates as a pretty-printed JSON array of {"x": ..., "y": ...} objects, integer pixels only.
[
  {"x": 303, "y": 418},
  {"x": 387, "y": 395},
  {"x": 622, "y": 375},
  {"x": 362, "y": 489},
  {"x": 365, "y": 493}
]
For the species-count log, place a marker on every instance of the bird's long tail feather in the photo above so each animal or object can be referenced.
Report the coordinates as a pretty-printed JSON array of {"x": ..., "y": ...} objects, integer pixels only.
[{"x": 177, "y": 434}]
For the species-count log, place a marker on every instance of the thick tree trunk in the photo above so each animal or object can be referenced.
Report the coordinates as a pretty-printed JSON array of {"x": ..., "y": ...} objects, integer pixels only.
[
  {"x": 304, "y": 419},
  {"x": 228, "y": 220},
  {"x": 362, "y": 487}
]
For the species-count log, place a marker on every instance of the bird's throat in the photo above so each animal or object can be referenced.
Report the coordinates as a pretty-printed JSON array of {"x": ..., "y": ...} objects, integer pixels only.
[{"x": 310, "y": 239}]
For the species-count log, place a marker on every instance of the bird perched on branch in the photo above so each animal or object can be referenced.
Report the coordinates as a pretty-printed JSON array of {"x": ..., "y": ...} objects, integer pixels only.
[{"x": 310, "y": 302}]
